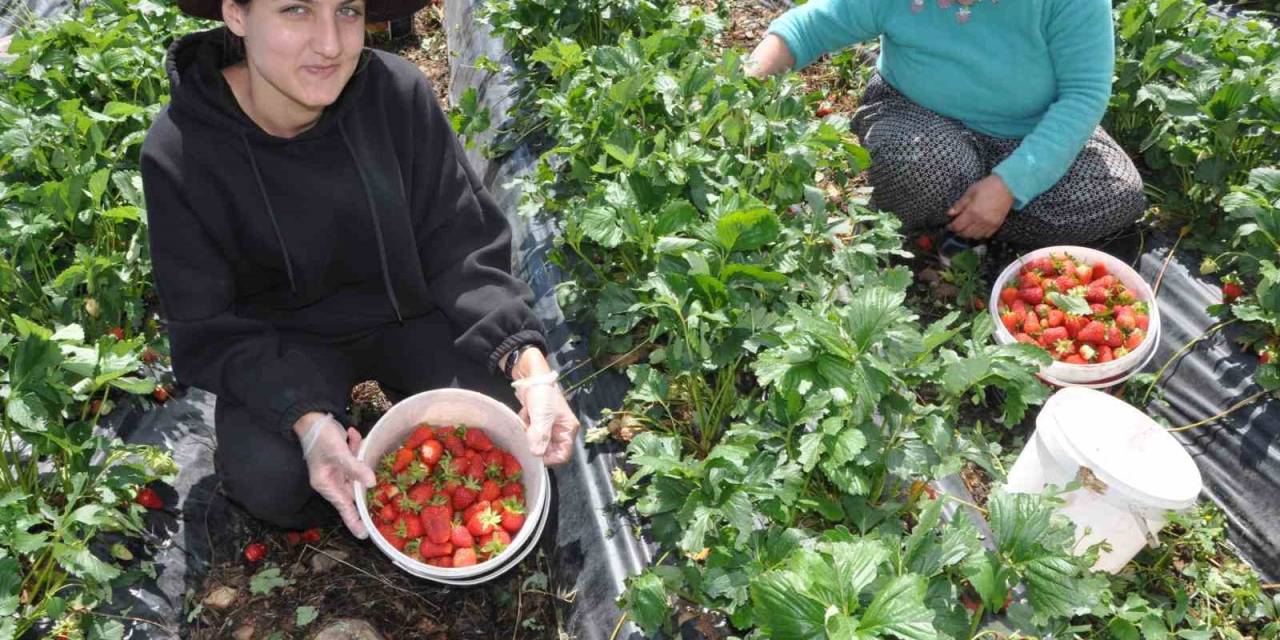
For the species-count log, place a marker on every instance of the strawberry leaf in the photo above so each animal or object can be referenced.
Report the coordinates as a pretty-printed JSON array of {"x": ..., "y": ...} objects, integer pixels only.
[{"x": 1073, "y": 304}]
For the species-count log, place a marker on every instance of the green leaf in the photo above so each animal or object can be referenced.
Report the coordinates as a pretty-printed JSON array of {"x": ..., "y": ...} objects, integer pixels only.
[
  {"x": 899, "y": 610},
  {"x": 783, "y": 610},
  {"x": 10, "y": 585},
  {"x": 600, "y": 224},
  {"x": 646, "y": 601},
  {"x": 268, "y": 580},
  {"x": 304, "y": 616},
  {"x": 129, "y": 213},
  {"x": 735, "y": 271},
  {"x": 138, "y": 386},
  {"x": 1073, "y": 304},
  {"x": 81, "y": 562},
  {"x": 747, "y": 229}
]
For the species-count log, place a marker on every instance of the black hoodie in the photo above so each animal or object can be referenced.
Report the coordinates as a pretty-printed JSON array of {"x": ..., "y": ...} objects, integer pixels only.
[{"x": 372, "y": 216}]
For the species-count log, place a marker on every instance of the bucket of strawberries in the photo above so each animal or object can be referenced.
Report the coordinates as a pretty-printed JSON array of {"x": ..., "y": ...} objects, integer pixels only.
[
  {"x": 1089, "y": 310},
  {"x": 459, "y": 497}
]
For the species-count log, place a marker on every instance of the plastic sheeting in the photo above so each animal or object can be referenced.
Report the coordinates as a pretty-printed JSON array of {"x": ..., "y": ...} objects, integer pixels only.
[
  {"x": 592, "y": 548},
  {"x": 1239, "y": 456},
  {"x": 19, "y": 13}
]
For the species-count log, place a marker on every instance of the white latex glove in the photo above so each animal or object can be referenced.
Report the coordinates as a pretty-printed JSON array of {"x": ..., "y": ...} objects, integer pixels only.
[
  {"x": 329, "y": 450},
  {"x": 550, "y": 422}
]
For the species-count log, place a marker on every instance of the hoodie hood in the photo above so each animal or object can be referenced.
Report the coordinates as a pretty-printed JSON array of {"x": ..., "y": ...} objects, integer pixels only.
[{"x": 194, "y": 65}]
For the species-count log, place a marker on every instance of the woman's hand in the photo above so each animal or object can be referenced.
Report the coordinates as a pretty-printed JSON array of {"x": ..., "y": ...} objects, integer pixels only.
[
  {"x": 979, "y": 213},
  {"x": 770, "y": 57},
  {"x": 332, "y": 466},
  {"x": 552, "y": 426}
]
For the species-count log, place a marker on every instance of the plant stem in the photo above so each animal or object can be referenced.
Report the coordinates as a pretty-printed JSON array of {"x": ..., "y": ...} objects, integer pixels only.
[
  {"x": 1159, "y": 374},
  {"x": 977, "y": 618},
  {"x": 1182, "y": 233},
  {"x": 1222, "y": 414}
]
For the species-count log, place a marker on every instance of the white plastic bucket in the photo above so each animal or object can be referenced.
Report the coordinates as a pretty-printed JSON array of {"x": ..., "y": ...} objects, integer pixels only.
[
  {"x": 446, "y": 407},
  {"x": 1133, "y": 471},
  {"x": 1099, "y": 375}
]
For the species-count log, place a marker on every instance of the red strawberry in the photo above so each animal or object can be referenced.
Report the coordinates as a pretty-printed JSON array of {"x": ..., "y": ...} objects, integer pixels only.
[
  {"x": 147, "y": 497},
  {"x": 1142, "y": 320},
  {"x": 1056, "y": 317},
  {"x": 476, "y": 469},
  {"x": 150, "y": 356},
  {"x": 1028, "y": 280},
  {"x": 403, "y": 458},
  {"x": 1031, "y": 325},
  {"x": 1008, "y": 294},
  {"x": 496, "y": 543},
  {"x": 513, "y": 490},
  {"x": 1042, "y": 312},
  {"x": 1012, "y": 321},
  {"x": 1104, "y": 354},
  {"x": 466, "y": 494},
  {"x": 1031, "y": 295},
  {"x": 410, "y": 527},
  {"x": 1231, "y": 291},
  {"x": 461, "y": 537},
  {"x": 1126, "y": 320},
  {"x": 1074, "y": 324},
  {"x": 420, "y": 435},
  {"x": 1075, "y": 359},
  {"x": 422, "y": 492},
  {"x": 512, "y": 516},
  {"x": 161, "y": 393},
  {"x": 388, "y": 513},
  {"x": 479, "y": 506},
  {"x": 255, "y": 552},
  {"x": 1044, "y": 266},
  {"x": 429, "y": 549},
  {"x": 430, "y": 451},
  {"x": 979, "y": 304},
  {"x": 484, "y": 522},
  {"x": 438, "y": 529},
  {"x": 510, "y": 466},
  {"x": 464, "y": 557},
  {"x": 441, "y": 432},
  {"x": 1064, "y": 348},
  {"x": 477, "y": 440},
  {"x": 1115, "y": 337},
  {"x": 1100, "y": 310},
  {"x": 1054, "y": 334},
  {"x": 1125, "y": 296},
  {"x": 1095, "y": 294},
  {"x": 1135, "y": 338},
  {"x": 1018, "y": 305},
  {"x": 117, "y": 332},
  {"x": 490, "y": 491},
  {"x": 1264, "y": 357},
  {"x": 294, "y": 538},
  {"x": 1066, "y": 283},
  {"x": 392, "y": 537},
  {"x": 1095, "y": 332},
  {"x": 453, "y": 444},
  {"x": 1100, "y": 271},
  {"x": 311, "y": 536},
  {"x": 444, "y": 563},
  {"x": 1084, "y": 273},
  {"x": 1024, "y": 338}
]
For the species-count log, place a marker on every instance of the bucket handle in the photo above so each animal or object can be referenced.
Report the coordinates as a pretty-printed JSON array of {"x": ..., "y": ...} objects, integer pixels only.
[{"x": 1152, "y": 540}]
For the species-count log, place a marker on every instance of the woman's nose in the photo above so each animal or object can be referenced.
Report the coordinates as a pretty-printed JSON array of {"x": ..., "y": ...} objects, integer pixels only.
[{"x": 326, "y": 40}]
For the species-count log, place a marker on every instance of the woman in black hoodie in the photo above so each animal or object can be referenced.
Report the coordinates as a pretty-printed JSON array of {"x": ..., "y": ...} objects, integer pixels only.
[{"x": 314, "y": 223}]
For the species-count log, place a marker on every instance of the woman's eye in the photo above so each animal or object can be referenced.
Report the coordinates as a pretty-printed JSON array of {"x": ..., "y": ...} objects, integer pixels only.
[
  {"x": 295, "y": 10},
  {"x": 351, "y": 12}
]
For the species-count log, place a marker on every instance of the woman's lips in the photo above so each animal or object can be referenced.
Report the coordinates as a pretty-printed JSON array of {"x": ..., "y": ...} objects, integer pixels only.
[{"x": 321, "y": 71}]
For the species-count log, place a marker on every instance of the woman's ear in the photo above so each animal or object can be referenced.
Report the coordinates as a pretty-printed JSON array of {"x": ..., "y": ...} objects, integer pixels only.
[{"x": 233, "y": 14}]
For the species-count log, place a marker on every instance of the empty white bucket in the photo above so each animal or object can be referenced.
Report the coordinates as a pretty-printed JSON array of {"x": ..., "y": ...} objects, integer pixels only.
[
  {"x": 1098, "y": 375},
  {"x": 451, "y": 407},
  {"x": 1133, "y": 471}
]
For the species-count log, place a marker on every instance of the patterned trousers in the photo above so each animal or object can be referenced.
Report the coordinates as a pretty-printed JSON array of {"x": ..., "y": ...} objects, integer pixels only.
[{"x": 922, "y": 162}]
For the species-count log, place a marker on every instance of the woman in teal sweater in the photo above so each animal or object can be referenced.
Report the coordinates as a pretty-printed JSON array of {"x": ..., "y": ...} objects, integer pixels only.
[{"x": 983, "y": 114}]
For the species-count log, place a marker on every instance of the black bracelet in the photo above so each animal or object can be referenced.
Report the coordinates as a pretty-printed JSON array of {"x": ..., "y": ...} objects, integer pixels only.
[{"x": 508, "y": 367}]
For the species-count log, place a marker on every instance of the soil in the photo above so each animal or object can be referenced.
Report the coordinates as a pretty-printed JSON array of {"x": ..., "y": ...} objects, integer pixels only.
[{"x": 426, "y": 47}]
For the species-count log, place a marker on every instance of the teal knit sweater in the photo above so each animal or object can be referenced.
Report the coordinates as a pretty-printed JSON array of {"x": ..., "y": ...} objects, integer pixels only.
[{"x": 1035, "y": 70}]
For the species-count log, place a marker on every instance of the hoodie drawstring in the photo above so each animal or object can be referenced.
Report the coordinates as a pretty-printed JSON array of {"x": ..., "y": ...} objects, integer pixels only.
[
  {"x": 377, "y": 226},
  {"x": 262, "y": 188}
]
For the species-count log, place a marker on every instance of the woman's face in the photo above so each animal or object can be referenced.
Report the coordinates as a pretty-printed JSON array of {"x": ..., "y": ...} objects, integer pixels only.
[{"x": 305, "y": 50}]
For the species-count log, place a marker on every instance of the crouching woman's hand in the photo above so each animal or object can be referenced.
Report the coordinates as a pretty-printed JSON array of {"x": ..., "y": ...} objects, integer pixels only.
[{"x": 552, "y": 426}]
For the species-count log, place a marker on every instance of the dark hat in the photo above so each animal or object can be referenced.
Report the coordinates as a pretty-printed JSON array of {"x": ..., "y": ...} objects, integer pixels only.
[{"x": 375, "y": 10}]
